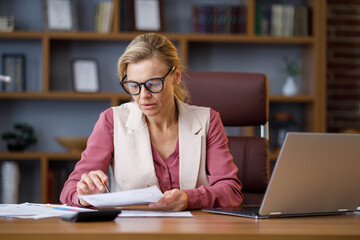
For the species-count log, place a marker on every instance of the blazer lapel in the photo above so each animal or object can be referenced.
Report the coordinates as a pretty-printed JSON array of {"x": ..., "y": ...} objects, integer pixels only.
[
  {"x": 189, "y": 146},
  {"x": 140, "y": 146}
]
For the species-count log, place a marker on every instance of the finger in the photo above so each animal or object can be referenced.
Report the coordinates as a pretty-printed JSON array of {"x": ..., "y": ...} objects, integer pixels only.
[
  {"x": 85, "y": 178},
  {"x": 82, "y": 188},
  {"x": 102, "y": 176},
  {"x": 96, "y": 179},
  {"x": 172, "y": 195},
  {"x": 167, "y": 202},
  {"x": 84, "y": 203},
  {"x": 173, "y": 200}
]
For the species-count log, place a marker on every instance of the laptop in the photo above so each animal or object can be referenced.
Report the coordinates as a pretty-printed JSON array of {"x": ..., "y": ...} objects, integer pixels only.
[{"x": 315, "y": 174}]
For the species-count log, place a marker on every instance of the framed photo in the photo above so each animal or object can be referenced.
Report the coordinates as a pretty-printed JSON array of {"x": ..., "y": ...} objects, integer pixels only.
[
  {"x": 13, "y": 65},
  {"x": 7, "y": 24},
  {"x": 148, "y": 15},
  {"x": 85, "y": 75},
  {"x": 59, "y": 15}
]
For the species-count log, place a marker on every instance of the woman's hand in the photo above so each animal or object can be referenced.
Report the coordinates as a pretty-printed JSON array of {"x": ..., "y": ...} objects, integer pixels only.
[
  {"x": 173, "y": 200},
  {"x": 91, "y": 183}
]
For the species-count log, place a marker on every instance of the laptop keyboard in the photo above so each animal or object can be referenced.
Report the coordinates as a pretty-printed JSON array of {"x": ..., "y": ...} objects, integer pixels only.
[
  {"x": 250, "y": 211},
  {"x": 244, "y": 211}
]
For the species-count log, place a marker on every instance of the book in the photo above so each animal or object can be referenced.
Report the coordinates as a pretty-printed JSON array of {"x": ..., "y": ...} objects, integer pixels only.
[
  {"x": 219, "y": 18},
  {"x": 301, "y": 21},
  {"x": 287, "y": 26},
  {"x": 276, "y": 19},
  {"x": 103, "y": 17},
  {"x": 259, "y": 16},
  {"x": 266, "y": 21}
]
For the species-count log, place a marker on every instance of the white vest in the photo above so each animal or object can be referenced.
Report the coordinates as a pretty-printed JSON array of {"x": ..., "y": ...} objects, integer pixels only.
[{"x": 133, "y": 166}]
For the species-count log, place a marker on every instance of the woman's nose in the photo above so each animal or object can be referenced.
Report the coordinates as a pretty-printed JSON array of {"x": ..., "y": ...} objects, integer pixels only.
[{"x": 144, "y": 92}]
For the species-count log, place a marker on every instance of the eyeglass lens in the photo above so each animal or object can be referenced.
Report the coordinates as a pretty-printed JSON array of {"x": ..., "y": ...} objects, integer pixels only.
[{"x": 152, "y": 85}]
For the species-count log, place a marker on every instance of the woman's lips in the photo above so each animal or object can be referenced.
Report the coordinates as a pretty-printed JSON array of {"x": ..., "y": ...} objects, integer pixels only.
[{"x": 148, "y": 106}]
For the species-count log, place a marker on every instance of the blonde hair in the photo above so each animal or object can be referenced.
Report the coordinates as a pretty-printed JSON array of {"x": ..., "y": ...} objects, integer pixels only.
[{"x": 153, "y": 45}]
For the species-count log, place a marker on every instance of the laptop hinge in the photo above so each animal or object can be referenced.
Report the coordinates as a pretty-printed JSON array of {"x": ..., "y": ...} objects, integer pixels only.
[
  {"x": 275, "y": 214},
  {"x": 342, "y": 210}
]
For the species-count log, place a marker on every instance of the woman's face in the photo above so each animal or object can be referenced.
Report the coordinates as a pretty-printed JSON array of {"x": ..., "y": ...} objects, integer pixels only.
[{"x": 153, "y": 104}]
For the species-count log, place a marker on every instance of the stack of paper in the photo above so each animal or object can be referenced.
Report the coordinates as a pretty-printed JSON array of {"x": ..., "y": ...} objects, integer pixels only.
[{"x": 37, "y": 211}]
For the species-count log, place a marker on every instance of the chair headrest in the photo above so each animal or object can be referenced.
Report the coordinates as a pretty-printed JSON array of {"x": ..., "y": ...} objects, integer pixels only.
[{"x": 240, "y": 98}]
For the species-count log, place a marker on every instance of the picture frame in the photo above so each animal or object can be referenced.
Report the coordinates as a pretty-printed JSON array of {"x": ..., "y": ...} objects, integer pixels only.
[
  {"x": 85, "y": 75},
  {"x": 7, "y": 23},
  {"x": 13, "y": 65},
  {"x": 147, "y": 15},
  {"x": 59, "y": 15}
]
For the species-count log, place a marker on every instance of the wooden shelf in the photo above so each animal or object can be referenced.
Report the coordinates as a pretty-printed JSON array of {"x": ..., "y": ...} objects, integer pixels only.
[
  {"x": 65, "y": 96},
  {"x": 121, "y": 96},
  {"x": 128, "y": 36},
  {"x": 246, "y": 38},
  {"x": 293, "y": 99}
]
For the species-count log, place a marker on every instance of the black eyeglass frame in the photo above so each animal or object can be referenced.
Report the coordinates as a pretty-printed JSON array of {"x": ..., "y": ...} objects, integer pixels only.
[{"x": 122, "y": 83}]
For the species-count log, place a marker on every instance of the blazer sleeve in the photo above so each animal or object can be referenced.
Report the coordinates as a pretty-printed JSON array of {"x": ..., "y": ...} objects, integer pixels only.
[
  {"x": 224, "y": 188},
  {"x": 97, "y": 156}
]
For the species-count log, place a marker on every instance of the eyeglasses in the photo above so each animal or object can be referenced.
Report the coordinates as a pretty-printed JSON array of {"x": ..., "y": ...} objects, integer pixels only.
[{"x": 154, "y": 85}]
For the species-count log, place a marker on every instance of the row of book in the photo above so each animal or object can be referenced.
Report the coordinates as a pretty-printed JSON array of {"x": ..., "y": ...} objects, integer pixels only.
[
  {"x": 103, "y": 17},
  {"x": 219, "y": 19},
  {"x": 282, "y": 20}
]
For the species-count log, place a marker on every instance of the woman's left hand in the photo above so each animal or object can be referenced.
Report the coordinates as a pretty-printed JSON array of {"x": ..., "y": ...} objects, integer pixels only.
[{"x": 173, "y": 200}]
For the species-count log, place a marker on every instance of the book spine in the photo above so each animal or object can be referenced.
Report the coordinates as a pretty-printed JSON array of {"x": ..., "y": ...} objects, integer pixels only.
[
  {"x": 242, "y": 19},
  {"x": 266, "y": 21},
  {"x": 276, "y": 20},
  {"x": 258, "y": 20}
]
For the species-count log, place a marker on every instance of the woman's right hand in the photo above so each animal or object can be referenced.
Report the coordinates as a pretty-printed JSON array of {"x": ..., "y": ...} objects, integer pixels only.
[{"x": 91, "y": 183}]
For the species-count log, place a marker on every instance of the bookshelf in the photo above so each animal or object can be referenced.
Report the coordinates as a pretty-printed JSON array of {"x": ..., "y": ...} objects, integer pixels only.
[{"x": 51, "y": 78}]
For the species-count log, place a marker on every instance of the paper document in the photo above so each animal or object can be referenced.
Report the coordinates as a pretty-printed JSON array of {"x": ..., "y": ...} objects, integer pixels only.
[
  {"x": 36, "y": 210},
  {"x": 124, "y": 198},
  {"x": 127, "y": 213}
]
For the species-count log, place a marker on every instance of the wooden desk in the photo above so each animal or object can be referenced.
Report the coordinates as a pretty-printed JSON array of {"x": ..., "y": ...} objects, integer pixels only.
[{"x": 205, "y": 226}]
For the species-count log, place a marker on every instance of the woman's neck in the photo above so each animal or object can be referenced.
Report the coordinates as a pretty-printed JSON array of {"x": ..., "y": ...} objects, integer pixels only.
[{"x": 165, "y": 121}]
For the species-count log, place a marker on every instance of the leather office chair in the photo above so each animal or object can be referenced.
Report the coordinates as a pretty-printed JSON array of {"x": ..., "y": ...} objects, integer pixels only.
[{"x": 242, "y": 100}]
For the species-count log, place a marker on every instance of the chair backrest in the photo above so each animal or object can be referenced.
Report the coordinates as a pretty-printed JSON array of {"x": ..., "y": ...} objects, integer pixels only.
[{"x": 242, "y": 100}]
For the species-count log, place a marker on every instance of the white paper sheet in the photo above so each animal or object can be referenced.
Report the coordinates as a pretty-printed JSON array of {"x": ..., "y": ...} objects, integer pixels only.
[
  {"x": 36, "y": 210},
  {"x": 131, "y": 213},
  {"x": 124, "y": 198}
]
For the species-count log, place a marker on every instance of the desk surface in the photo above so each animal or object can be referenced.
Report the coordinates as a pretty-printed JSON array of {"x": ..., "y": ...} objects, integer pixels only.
[{"x": 203, "y": 226}]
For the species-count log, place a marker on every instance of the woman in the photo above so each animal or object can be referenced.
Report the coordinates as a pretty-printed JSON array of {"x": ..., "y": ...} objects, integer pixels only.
[{"x": 157, "y": 139}]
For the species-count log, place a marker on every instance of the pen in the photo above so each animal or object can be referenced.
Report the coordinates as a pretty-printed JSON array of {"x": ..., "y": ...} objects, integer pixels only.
[{"x": 107, "y": 188}]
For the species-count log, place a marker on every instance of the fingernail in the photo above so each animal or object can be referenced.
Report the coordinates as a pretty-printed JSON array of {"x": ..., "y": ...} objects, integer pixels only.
[{"x": 101, "y": 187}]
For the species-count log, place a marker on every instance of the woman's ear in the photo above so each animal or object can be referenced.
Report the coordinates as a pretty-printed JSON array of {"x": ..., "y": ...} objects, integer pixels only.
[{"x": 177, "y": 75}]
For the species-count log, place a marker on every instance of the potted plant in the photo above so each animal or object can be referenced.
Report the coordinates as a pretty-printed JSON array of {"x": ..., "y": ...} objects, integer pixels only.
[
  {"x": 22, "y": 136},
  {"x": 291, "y": 70}
]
